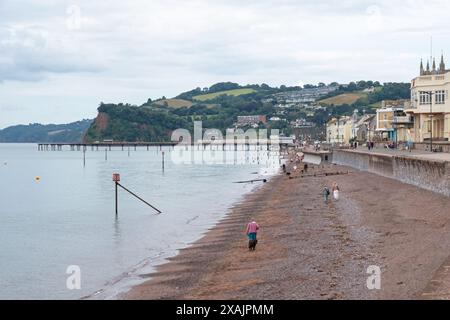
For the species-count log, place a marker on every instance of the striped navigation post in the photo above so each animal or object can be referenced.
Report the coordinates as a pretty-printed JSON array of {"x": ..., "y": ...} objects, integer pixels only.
[{"x": 116, "y": 180}]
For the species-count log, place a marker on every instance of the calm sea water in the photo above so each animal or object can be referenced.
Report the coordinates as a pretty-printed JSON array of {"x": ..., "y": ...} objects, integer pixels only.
[{"x": 67, "y": 217}]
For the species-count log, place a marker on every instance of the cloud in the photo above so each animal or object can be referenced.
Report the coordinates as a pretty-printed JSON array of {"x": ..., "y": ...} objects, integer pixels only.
[
  {"x": 91, "y": 51},
  {"x": 29, "y": 54}
]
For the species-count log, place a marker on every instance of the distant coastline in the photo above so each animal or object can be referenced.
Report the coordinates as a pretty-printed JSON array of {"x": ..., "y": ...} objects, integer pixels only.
[{"x": 46, "y": 133}]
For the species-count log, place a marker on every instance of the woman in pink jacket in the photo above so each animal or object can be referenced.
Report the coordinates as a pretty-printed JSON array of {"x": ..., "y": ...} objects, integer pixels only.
[{"x": 252, "y": 230}]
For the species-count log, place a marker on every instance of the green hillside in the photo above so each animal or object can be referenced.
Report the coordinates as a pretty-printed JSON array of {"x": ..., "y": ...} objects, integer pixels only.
[
  {"x": 219, "y": 106},
  {"x": 174, "y": 103},
  {"x": 72, "y": 132},
  {"x": 235, "y": 92},
  {"x": 344, "y": 98}
]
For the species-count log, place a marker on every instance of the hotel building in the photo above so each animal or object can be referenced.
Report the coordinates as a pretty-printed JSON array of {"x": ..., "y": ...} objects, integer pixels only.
[{"x": 430, "y": 105}]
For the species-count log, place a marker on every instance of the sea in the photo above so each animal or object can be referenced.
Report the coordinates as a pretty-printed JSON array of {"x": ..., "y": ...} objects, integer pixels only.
[{"x": 60, "y": 237}]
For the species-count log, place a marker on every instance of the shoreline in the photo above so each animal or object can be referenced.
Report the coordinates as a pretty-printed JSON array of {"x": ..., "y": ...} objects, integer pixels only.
[
  {"x": 213, "y": 235},
  {"x": 136, "y": 276},
  {"x": 311, "y": 250}
]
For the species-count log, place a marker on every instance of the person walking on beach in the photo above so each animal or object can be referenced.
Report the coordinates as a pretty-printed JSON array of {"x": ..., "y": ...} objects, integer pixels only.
[
  {"x": 326, "y": 194},
  {"x": 409, "y": 145},
  {"x": 252, "y": 230},
  {"x": 335, "y": 191}
]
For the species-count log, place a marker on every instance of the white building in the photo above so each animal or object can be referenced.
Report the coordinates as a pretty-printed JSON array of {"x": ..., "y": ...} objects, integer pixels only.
[
  {"x": 339, "y": 130},
  {"x": 430, "y": 105}
]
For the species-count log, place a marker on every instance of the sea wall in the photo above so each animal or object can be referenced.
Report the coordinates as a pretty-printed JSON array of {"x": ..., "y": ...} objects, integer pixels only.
[
  {"x": 317, "y": 157},
  {"x": 433, "y": 175}
]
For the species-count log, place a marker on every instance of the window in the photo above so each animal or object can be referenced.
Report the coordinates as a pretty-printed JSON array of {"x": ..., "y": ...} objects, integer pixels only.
[
  {"x": 427, "y": 126},
  {"x": 440, "y": 97},
  {"x": 425, "y": 97}
]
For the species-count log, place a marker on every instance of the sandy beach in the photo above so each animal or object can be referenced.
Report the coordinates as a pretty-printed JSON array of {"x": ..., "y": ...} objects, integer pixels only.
[{"x": 311, "y": 250}]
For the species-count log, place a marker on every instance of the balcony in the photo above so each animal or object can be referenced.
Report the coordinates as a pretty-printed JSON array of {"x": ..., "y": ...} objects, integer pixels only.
[{"x": 403, "y": 120}]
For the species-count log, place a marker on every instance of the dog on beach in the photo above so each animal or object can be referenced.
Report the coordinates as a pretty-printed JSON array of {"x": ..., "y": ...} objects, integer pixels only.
[{"x": 252, "y": 245}]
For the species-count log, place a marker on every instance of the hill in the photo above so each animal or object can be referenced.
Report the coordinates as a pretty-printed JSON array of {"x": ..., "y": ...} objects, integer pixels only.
[
  {"x": 32, "y": 133},
  {"x": 344, "y": 98},
  {"x": 133, "y": 123},
  {"x": 174, "y": 103},
  {"x": 235, "y": 92},
  {"x": 219, "y": 106}
]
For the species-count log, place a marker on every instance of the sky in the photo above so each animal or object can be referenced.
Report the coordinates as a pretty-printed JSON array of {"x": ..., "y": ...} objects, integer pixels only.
[{"x": 60, "y": 59}]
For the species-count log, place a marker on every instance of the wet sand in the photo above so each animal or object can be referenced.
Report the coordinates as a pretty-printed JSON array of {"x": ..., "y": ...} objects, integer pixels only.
[{"x": 311, "y": 250}]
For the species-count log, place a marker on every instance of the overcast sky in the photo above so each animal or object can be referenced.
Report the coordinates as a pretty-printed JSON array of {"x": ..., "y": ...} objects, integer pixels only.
[{"x": 60, "y": 59}]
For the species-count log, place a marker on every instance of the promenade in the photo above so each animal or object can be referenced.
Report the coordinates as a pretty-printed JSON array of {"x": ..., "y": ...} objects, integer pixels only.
[{"x": 440, "y": 156}]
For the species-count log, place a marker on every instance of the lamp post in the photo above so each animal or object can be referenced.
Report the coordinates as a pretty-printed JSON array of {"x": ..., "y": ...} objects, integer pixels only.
[
  {"x": 338, "y": 131},
  {"x": 430, "y": 94}
]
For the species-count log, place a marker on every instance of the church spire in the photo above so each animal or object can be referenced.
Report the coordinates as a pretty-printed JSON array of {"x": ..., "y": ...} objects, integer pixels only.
[
  {"x": 434, "y": 66},
  {"x": 422, "y": 71},
  {"x": 442, "y": 64},
  {"x": 428, "y": 66}
]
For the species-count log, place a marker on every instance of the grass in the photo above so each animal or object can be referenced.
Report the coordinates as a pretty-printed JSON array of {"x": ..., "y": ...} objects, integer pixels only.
[
  {"x": 235, "y": 92},
  {"x": 175, "y": 103},
  {"x": 375, "y": 105},
  {"x": 345, "y": 98}
]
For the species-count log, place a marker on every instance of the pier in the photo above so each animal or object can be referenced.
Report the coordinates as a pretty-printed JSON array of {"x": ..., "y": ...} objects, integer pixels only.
[
  {"x": 97, "y": 146},
  {"x": 213, "y": 145}
]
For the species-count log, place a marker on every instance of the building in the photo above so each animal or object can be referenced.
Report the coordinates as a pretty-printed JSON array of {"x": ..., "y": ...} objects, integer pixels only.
[
  {"x": 346, "y": 129},
  {"x": 430, "y": 105},
  {"x": 253, "y": 120},
  {"x": 302, "y": 123},
  {"x": 276, "y": 119},
  {"x": 305, "y": 95},
  {"x": 339, "y": 130},
  {"x": 392, "y": 123},
  {"x": 364, "y": 128}
]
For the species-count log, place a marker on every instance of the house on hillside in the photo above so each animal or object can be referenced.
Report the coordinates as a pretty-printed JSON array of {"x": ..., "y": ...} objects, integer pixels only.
[{"x": 253, "y": 120}]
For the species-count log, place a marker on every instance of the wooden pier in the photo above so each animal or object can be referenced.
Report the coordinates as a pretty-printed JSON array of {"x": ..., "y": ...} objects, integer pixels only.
[
  {"x": 127, "y": 145},
  {"x": 102, "y": 145}
]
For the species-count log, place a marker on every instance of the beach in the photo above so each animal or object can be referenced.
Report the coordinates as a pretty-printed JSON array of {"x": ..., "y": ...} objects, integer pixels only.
[{"x": 308, "y": 249}]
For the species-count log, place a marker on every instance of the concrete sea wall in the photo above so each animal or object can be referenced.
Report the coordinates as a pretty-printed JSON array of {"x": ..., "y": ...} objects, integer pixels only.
[{"x": 433, "y": 175}]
